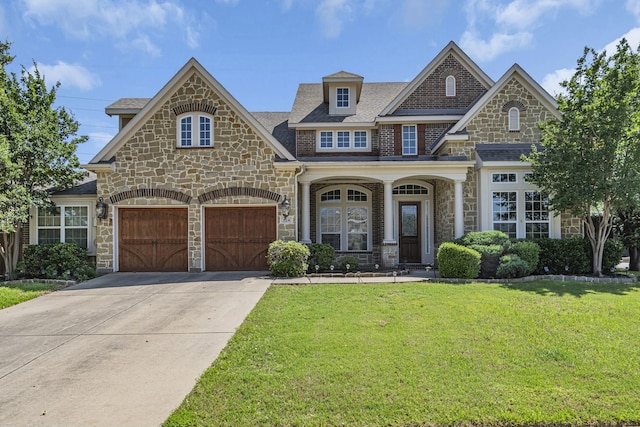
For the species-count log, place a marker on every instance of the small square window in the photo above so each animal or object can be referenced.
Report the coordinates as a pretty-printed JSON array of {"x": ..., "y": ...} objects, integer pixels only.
[
  {"x": 326, "y": 139},
  {"x": 360, "y": 139},
  {"x": 343, "y": 139}
]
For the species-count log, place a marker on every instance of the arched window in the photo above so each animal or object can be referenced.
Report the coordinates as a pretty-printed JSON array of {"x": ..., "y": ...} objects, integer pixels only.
[
  {"x": 195, "y": 130},
  {"x": 514, "y": 119},
  {"x": 343, "y": 218},
  {"x": 450, "y": 83}
]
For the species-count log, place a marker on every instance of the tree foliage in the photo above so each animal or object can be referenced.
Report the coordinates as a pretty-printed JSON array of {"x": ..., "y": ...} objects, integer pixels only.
[
  {"x": 590, "y": 160},
  {"x": 37, "y": 150}
]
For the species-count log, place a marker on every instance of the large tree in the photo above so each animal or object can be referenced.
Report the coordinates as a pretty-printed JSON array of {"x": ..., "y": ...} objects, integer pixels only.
[
  {"x": 37, "y": 150},
  {"x": 590, "y": 161}
]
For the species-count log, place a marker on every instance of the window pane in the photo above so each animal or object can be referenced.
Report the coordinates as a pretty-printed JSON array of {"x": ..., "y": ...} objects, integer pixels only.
[
  {"x": 537, "y": 230},
  {"x": 326, "y": 139},
  {"x": 356, "y": 196},
  {"x": 330, "y": 196},
  {"x": 77, "y": 236},
  {"x": 205, "y": 131},
  {"x": 504, "y": 206},
  {"x": 46, "y": 236},
  {"x": 332, "y": 239},
  {"x": 357, "y": 220},
  {"x": 536, "y": 214},
  {"x": 410, "y": 189},
  {"x": 48, "y": 219},
  {"x": 503, "y": 177},
  {"x": 450, "y": 86},
  {"x": 76, "y": 216},
  {"x": 343, "y": 139},
  {"x": 409, "y": 140},
  {"x": 360, "y": 139},
  {"x": 409, "y": 220},
  {"x": 185, "y": 131},
  {"x": 330, "y": 220},
  {"x": 342, "y": 97},
  {"x": 514, "y": 119},
  {"x": 357, "y": 242},
  {"x": 508, "y": 228}
]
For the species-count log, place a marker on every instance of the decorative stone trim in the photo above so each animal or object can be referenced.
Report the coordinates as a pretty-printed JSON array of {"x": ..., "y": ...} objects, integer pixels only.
[
  {"x": 519, "y": 105},
  {"x": 151, "y": 192},
  {"x": 239, "y": 191},
  {"x": 194, "y": 106}
]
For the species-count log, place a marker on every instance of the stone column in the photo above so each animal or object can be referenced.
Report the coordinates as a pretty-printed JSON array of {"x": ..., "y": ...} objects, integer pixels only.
[
  {"x": 388, "y": 213},
  {"x": 459, "y": 209},
  {"x": 305, "y": 220}
]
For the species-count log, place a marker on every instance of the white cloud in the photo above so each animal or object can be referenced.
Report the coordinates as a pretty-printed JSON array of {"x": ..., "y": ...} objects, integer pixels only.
[
  {"x": 632, "y": 36},
  {"x": 332, "y": 15},
  {"x": 551, "y": 82},
  {"x": 525, "y": 14},
  {"x": 633, "y": 6},
  {"x": 69, "y": 75},
  {"x": 145, "y": 44},
  {"x": 486, "y": 50},
  {"x": 119, "y": 19}
]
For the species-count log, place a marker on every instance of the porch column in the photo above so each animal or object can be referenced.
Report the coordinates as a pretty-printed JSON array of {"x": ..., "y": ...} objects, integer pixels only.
[
  {"x": 388, "y": 213},
  {"x": 459, "y": 209},
  {"x": 305, "y": 213}
]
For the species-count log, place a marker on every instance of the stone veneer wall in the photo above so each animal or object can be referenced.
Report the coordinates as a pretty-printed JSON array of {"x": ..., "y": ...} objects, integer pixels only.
[
  {"x": 445, "y": 207},
  {"x": 150, "y": 159},
  {"x": 571, "y": 226}
]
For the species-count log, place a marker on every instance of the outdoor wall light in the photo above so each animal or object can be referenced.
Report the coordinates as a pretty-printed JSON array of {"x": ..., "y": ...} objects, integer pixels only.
[
  {"x": 102, "y": 209},
  {"x": 285, "y": 206}
]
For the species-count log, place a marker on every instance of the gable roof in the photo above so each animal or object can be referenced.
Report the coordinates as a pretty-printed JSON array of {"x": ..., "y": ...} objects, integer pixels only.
[
  {"x": 192, "y": 66},
  {"x": 277, "y": 123},
  {"x": 525, "y": 79},
  {"x": 126, "y": 106},
  {"x": 450, "y": 48}
]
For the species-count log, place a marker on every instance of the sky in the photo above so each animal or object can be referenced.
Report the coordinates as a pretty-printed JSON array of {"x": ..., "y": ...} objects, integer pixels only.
[{"x": 260, "y": 50}]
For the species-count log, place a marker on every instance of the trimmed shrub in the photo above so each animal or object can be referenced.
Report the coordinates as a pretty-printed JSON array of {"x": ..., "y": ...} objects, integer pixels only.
[
  {"x": 322, "y": 255},
  {"x": 613, "y": 250},
  {"x": 558, "y": 253},
  {"x": 56, "y": 261},
  {"x": 527, "y": 251},
  {"x": 354, "y": 263},
  {"x": 512, "y": 266},
  {"x": 457, "y": 261},
  {"x": 485, "y": 238},
  {"x": 287, "y": 258},
  {"x": 490, "y": 258}
]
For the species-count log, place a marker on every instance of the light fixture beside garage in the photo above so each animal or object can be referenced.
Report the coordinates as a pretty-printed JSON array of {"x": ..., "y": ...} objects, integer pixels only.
[
  {"x": 285, "y": 207},
  {"x": 102, "y": 209}
]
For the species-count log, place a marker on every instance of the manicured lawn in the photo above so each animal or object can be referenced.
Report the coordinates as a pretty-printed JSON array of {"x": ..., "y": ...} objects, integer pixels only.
[
  {"x": 540, "y": 353},
  {"x": 17, "y": 293}
]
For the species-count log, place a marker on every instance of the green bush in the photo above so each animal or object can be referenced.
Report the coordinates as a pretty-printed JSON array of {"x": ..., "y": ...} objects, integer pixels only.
[
  {"x": 287, "y": 258},
  {"x": 485, "y": 238},
  {"x": 322, "y": 255},
  {"x": 56, "y": 261},
  {"x": 558, "y": 253},
  {"x": 613, "y": 250},
  {"x": 457, "y": 261},
  {"x": 489, "y": 258},
  {"x": 354, "y": 263},
  {"x": 512, "y": 266},
  {"x": 527, "y": 251}
]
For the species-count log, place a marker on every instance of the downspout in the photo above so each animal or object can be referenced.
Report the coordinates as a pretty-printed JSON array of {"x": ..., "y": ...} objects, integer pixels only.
[{"x": 295, "y": 195}]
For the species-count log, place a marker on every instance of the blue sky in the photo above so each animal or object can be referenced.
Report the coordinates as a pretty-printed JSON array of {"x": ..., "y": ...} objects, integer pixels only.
[{"x": 260, "y": 50}]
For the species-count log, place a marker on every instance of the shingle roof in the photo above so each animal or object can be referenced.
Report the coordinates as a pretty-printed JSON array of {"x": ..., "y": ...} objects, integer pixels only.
[
  {"x": 277, "y": 124},
  {"x": 126, "y": 106},
  {"x": 502, "y": 152},
  {"x": 88, "y": 186},
  {"x": 309, "y": 107}
]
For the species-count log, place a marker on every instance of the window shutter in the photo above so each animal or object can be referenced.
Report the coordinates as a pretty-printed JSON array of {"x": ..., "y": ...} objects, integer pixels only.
[
  {"x": 422, "y": 144},
  {"x": 397, "y": 140}
]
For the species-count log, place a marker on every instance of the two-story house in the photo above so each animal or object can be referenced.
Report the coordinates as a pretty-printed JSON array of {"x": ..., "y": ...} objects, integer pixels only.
[{"x": 381, "y": 171}]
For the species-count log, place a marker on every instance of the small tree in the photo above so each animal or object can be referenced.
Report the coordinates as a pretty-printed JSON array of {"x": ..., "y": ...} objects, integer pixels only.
[
  {"x": 37, "y": 151},
  {"x": 590, "y": 161}
]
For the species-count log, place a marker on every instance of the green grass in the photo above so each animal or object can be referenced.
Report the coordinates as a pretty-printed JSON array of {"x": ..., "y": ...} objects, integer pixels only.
[
  {"x": 20, "y": 292},
  {"x": 539, "y": 353}
]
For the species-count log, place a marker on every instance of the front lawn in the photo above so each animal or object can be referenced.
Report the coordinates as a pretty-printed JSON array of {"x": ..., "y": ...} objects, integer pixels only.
[
  {"x": 538, "y": 353},
  {"x": 19, "y": 292}
]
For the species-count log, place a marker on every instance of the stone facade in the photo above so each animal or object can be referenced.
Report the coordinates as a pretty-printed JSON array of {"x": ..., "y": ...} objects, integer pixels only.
[{"x": 150, "y": 159}]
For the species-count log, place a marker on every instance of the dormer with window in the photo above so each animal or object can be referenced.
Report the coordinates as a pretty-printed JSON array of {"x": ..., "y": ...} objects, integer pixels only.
[{"x": 342, "y": 92}]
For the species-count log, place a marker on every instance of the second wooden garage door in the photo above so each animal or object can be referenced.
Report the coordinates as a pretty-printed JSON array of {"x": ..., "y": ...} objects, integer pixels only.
[
  {"x": 238, "y": 238},
  {"x": 152, "y": 239}
]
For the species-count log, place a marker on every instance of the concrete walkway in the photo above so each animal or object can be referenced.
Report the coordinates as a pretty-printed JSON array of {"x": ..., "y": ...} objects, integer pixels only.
[{"x": 120, "y": 350}]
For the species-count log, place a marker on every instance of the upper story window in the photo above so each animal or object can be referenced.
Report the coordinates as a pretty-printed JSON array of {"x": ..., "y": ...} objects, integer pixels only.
[
  {"x": 450, "y": 84},
  {"x": 342, "y": 97},
  {"x": 343, "y": 140},
  {"x": 69, "y": 224},
  {"x": 409, "y": 140},
  {"x": 514, "y": 119},
  {"x": 195, "y": 130}
]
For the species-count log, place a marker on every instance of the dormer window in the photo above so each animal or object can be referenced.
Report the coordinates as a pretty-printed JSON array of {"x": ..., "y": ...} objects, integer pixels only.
[
  {"x": 342, "y": 97},
  {"x": 514, "y": 119},
  {"x": 450, "y": 86},
  {"x": 195, "y": 130}
]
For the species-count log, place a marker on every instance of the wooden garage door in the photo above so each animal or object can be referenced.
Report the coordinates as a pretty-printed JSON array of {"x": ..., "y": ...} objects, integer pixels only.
[
  {"x": 238, "y": 238},
  {"x": 152, "y": 239}
]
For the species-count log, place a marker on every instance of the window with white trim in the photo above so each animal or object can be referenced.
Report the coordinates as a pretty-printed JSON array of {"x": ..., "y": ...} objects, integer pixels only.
[
  {"x": 514, "y": 119},
  {"x": 450, "y": 86},
  {"x": 72, "y": 226},
  {"x": 409, "y": 140},
  {"x": 536, "y": 215},
  {"x": 195, "y": 130},
  {"x": 505, "y": 212},
  {"x": 342, "y": 140},
  {"x": 342, "y": 97},
  {"x": 343, "y": 219}
]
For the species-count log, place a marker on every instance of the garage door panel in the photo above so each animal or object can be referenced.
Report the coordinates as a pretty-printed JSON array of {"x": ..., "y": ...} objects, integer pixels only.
[
  {"x": 153, "y": 239},
  {"x": 238, "y": 238}
]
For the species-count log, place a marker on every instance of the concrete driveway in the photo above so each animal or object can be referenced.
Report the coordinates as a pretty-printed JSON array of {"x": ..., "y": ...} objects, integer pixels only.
[{"x": 123, "y": 349}]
